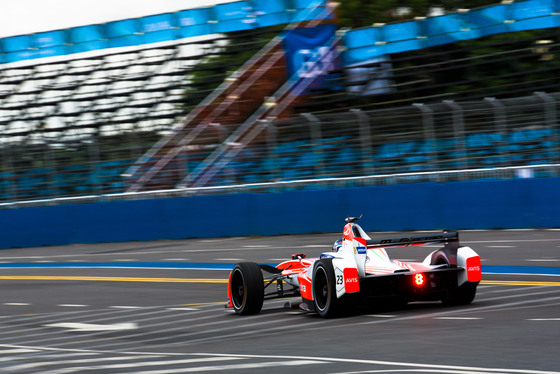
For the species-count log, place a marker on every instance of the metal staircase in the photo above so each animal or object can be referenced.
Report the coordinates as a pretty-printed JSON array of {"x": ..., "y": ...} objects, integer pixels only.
[{"x": 232, "y": 114}]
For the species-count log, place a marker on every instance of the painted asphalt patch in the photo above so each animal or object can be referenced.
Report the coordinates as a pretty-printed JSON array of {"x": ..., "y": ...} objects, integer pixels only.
[{"x": 512, "y": 270}]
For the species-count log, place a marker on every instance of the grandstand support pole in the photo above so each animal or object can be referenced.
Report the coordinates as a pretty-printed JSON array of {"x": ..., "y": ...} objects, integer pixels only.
[
  {"x": 500, "y": 120},
  {"x": 550, "y": 116},
  {"x": 459, "y": 131},
  {"x": 315, "y": 129},
  {"x": 365, "y": 141},
  {"x": 429, "y": 133},
  {"x": 9, "y": 175},
  {"x": 272, "y": 143},
  {"x": 51, "y": 162}
]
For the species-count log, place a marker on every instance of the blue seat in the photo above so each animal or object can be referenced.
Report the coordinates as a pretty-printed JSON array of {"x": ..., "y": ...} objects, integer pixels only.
[{"x": 6, "y": 185}]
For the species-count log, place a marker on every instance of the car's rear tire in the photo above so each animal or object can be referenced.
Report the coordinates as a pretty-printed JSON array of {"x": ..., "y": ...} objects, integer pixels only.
[
  {"x": 247, "y": 288},
  {"x": 326, "y": 303},
  {"x": 464, "y": 295}
]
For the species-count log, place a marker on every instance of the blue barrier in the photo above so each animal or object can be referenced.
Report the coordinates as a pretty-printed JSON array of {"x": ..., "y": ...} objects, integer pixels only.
[
  {"x": 493, "y": 204},
  {"x": 234, "y": 16},
  {"x": 362, "y": 44},
  {"x": 370, "y": 43}
]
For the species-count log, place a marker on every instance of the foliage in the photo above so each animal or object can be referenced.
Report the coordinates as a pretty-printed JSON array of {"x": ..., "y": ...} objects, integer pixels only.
[
  {"x": 226, "y": 56},
  {"x": 363, "y": 13}
]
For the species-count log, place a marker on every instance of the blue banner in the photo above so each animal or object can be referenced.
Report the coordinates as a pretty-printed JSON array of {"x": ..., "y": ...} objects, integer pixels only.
[
  {"x": 227, "y": 17},
  {"x": 86, "y": 38},
  {"x": 369, "y": 43},
  {"x": 362, "y": 44},
  {"x": 194, "y": 22},
  {"x": 159, "y": 28},
  {"x": 305, "y": 46}
]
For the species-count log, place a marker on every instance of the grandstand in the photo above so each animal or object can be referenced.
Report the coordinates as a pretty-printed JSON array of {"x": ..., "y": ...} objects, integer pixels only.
[
  {"x": 123, "y": 121},
  {"x": 71, "y": 127}
]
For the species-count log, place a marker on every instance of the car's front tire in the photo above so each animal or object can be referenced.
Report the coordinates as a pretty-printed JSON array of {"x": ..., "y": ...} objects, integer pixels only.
[{"x": 247, "y": 288}]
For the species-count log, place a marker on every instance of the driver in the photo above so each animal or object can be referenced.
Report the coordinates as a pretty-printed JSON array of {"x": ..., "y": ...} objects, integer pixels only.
[{"x": 337, "y": 245}]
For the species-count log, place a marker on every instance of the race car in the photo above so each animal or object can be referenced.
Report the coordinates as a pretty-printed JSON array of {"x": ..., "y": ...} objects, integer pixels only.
[{"x": 358, "y": 271}]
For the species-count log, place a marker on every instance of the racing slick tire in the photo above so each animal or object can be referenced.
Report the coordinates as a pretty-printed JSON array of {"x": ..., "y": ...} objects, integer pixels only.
[
  {"x": 247, "y": 288},
  {"x": 326, "y": 303},
  {"x": 464, "y": 294}
]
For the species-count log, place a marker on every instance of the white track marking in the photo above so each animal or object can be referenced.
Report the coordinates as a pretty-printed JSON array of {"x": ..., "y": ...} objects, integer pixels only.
[
  {"x": 229, "y": 259},
  {"x": 83, "y": 327},
  {"x": 459, "y": 318},
  {"x": 124, "y": 307},
  {"x": 16, "y": 304},
  {"x": 146, "y": 363},
  {"x": 464, "y": 369},
  {"x": 17, "y": 350},
  {"x": 223, "y": 368},
  {"x": 182, "y": 308},
  {"x": 63, "y": 355},
  {"x": 73, "y": 305},
  {"x": 284, "y": 361},
  {"x": 66, "y": 362},
  {"x": 382, "y": 315},
  {"x": 544, "y": 319}
]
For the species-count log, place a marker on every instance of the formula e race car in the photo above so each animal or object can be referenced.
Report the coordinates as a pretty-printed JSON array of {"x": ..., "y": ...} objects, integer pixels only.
[{"x": 358, "y": 271}]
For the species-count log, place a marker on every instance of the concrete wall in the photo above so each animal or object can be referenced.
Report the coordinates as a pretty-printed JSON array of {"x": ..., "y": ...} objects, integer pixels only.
[{"x": 520, "y": 203}]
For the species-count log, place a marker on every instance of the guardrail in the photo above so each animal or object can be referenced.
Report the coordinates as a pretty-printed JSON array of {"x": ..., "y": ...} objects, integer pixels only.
[
  {"x": 477, "y": 204},
  {"x": 418, "y": 142},
  {"x": 500, "y": 173}
]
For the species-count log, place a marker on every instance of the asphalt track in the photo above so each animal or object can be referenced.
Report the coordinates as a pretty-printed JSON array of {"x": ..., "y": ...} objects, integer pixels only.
[{"x": 157, "y": 307}]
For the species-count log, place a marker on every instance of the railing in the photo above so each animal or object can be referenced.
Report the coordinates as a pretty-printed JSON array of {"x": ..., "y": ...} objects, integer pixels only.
[
  {"x": 504, "y": 173},
  {"x": 224, "y": 97},
  {"x": 258, "y": 122},
  {"x": 441, "y": 142}
]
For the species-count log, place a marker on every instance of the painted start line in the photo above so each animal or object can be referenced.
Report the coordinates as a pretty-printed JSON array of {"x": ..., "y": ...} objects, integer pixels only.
[{"x": 505, "y": 270}]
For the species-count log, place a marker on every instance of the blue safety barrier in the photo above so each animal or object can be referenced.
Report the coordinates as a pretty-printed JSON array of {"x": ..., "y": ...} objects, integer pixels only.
[
  {"x": 372, "y": 42},
  {"x": 234, "y": 16},
  {"x": 362, "y": 44},
  {"x": 487, "y": 204}
]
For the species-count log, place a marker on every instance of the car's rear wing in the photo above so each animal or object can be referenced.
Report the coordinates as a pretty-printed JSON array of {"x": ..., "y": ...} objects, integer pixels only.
[{"x": 449, "y": 238}]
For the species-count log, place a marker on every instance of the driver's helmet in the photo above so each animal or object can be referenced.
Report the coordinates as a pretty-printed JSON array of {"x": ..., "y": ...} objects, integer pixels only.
[{"x": 337, "y": 245}]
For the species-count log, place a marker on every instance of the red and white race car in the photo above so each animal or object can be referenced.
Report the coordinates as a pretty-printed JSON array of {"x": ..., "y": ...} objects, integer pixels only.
[{"x": 359, "y": 271}]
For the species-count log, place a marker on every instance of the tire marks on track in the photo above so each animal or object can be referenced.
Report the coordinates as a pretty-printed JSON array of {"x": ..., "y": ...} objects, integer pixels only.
[{"x": 29, "y": 346}]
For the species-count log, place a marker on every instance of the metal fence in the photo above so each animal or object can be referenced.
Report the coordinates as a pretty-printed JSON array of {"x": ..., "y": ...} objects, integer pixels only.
[
  {"x": 442, "y": 142},
  {"x": 70, "y": 127},
  {"x": 421, "y": 139}
]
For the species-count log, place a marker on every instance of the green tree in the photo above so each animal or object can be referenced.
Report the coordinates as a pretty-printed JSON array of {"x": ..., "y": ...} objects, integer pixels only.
[
  {"x": 224, "y": 57},
  {"x": 363, "y": 13}
]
